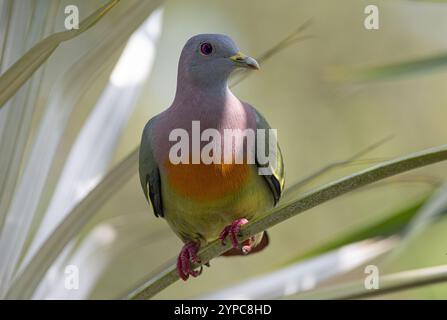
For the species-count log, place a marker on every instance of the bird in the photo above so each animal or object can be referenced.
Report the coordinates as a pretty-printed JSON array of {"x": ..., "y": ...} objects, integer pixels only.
[{"x": 203, "y": 201}]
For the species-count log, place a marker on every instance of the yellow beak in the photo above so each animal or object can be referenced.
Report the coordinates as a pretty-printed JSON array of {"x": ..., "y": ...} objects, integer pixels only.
[{"x": 244, "y": 61}]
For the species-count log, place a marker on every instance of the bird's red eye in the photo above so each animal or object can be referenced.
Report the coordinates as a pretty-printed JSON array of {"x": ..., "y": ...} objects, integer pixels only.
[{"x": 206, "y": 48}]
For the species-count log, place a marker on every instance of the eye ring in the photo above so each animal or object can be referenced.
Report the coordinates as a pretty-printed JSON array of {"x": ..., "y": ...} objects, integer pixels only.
[{"x": 206, "y": 48}]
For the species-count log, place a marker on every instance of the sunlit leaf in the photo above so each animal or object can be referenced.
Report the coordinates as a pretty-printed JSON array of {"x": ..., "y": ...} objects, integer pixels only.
[
  {"x": 15, "y": 76},
  {"x": 104, "y": 127},
  {"x": 29, "y": 278},
  {"x": 66, "y": 98},
  {"x": 107, "y": 242}
]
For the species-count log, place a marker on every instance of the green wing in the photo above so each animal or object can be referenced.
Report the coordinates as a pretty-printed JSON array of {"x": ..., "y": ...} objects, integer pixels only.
[
  {"x": 149, "y": 171},
  {"x": 275, "y": 180}
]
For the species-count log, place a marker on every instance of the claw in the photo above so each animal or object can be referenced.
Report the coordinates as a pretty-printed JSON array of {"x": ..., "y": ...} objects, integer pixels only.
[
  {"x": 233, "y": 230},
  {"x": 188, "y": 255}
]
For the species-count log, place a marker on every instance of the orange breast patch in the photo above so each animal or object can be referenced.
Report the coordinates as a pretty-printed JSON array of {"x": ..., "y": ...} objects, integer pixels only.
[{"x": 206, "y": 182}]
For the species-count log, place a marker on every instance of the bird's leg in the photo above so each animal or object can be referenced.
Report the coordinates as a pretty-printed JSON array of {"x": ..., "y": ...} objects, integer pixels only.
[
  {"x": 188, "y": 255},
  {"x": 232, "y": 230}
]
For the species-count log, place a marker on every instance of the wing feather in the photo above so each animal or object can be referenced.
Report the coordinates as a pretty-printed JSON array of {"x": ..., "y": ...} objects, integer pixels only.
[
  {"x": 275, "y": 179},
  {"x": 149, "y": 171}
]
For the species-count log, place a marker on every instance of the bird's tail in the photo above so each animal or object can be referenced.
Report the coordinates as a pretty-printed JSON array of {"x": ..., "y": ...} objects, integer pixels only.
[{"x": 258, "y": 247}]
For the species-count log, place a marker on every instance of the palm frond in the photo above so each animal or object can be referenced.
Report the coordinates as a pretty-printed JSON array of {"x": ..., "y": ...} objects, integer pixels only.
[
  {"x": 15, "y": 76},
  {"x": 67, "y": 94}
]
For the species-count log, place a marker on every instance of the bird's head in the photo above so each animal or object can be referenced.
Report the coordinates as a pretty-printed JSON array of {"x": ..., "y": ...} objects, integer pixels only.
[{"x": 209, "y": 59}]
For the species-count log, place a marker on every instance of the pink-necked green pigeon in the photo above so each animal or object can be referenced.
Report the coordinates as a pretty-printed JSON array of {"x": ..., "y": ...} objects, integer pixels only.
[{"x": 204, "y": 201}]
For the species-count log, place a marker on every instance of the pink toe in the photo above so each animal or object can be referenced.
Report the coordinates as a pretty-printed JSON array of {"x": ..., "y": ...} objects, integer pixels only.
[
  {"x": 233, "y": 236},
  {"x": 232, "y": 230},
  {"x": 225, "y": 232},
  {"x": 180, "y": 271},
  {"x": 246, "y": 249},
  {"x": 187, "y": 255},
  {"x": 192, "y": 252}
]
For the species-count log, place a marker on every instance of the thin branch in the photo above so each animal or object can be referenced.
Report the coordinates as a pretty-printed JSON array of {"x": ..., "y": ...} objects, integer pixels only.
[
  {"x": 292, "y": 38},
  {"x": 387, "y": 284},
  {"x": 305, "y": 202}
]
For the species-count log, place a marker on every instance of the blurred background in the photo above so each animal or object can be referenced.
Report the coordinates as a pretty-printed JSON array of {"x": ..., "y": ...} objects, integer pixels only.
[{"x": 82, "y": 113}]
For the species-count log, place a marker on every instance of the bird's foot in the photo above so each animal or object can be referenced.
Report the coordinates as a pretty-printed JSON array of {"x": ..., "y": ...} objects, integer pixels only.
[
  {"x": 188, "y": 255},
  {"x": 232, "y": 230}
]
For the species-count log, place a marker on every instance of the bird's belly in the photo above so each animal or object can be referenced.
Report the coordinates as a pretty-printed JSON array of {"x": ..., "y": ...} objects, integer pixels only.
[
  {"x": 203, "y": 200},
  {"x": 206, "y": 182}
]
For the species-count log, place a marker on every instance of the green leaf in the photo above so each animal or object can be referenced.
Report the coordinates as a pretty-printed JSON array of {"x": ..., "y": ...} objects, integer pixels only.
[
  {"x": 385, "y": 227},
  {"x": 429, "y": 221}
]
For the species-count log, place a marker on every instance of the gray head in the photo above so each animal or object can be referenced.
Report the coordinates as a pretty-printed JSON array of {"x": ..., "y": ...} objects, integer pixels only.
[{"x": 209, "y": 59}]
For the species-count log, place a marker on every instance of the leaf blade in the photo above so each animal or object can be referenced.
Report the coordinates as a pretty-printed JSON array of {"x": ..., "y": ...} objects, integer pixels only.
[{"x": 24, "y": 68}]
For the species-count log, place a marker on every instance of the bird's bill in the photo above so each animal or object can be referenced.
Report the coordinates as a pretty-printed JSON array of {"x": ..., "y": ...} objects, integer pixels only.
[{"x": 244, "y": 61}]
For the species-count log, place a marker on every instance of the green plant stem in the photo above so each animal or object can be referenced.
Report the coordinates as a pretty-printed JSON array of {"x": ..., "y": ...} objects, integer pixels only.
[
  {"x": 287, "y": 210},
  {"x": 387, "y": 284},
  {"x": 291, "y": 39}
]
